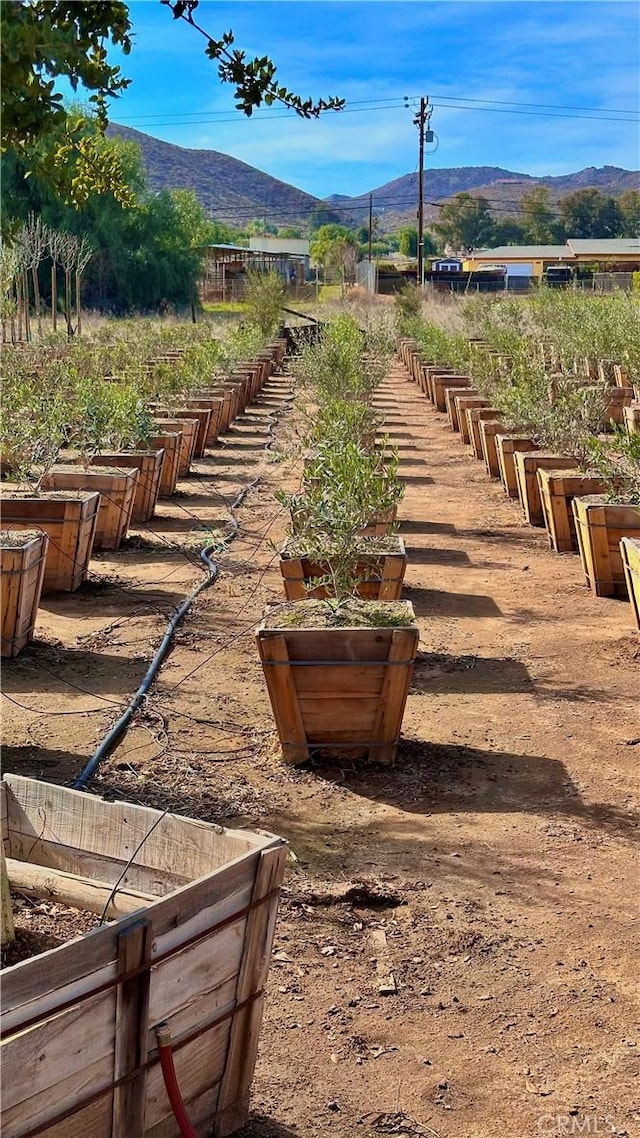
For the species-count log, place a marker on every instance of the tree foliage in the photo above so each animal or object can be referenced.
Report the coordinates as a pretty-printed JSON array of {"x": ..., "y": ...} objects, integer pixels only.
[
  {"x": 465, "y": 222},
  {"x": 588, "y": 213},
  {"x": 334, "y": 247},
  {"x": 45, "y": 40}
]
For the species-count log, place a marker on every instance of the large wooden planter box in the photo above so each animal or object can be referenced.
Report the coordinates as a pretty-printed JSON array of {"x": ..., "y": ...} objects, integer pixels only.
[
  {"x": 474, "y": 417},
  {"x": 169, "y": 443},
  {"x": 215, "y": 405},
  {"x": 630, "y": 553},
  {"x": 22, "y": 559},
  {"x": 116, "y": 487},
  {"x": 557, "y": 489},
  {"x": 188, "y": 430},
  {"x": 528, "y": 463},
  {"x": 440, "y": 385},
  {"x": 451, "y": 405},
  {"x": 506, "y": 447},
  {"x": 463, "y": 404},
  {"x": 80, "y": 1057},
  {"x": 203, "y": 417},
  {"x": 148, "y": 463},
  {"x": 338, "y": 691},
  {"x": 489, "y": 428},
  {"x": 600, "y": 526},
  {"x": 69, "y": 520},
  {"x": 380, "y": 575}
]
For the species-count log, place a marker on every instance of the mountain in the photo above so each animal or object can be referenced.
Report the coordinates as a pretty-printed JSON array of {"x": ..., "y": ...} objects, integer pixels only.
[
  {"x": 230, "y": 190},
  {"x": 395, "y": 202},
  {"x": 234, "y": 192}
]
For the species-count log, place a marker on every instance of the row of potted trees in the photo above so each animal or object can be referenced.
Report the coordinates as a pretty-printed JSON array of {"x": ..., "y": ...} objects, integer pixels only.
[
  {"x": 93, "y": 434},
  {"x": 547, "y": 435},
  {"x": 338, "y": 652}
]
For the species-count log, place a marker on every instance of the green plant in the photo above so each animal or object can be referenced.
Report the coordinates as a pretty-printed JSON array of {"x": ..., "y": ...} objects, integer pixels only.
[
  {"x": 345, "y": 490},
  {"x": 407, "y": 306},
  {"x": 264, "y": 298},
  {"x": 617, "y": 460}
]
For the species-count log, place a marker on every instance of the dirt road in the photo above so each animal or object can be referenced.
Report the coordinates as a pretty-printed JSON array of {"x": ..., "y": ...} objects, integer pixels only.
[{"x": 496, "y": 860}]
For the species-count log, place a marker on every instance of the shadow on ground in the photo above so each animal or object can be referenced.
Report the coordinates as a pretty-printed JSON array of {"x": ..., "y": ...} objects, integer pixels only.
[
  {"x": 430, "y": 778},
  {"x": 436, "y": 602}
]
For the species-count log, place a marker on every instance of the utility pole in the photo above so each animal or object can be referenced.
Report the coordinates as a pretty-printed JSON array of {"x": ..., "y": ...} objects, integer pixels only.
[
  {"x": 425, "y": 135},
  {"x": 370, "y": 224}
]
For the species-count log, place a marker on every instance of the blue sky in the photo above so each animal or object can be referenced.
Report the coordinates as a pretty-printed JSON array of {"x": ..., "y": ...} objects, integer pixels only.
[{"x": 580, "y": 54}]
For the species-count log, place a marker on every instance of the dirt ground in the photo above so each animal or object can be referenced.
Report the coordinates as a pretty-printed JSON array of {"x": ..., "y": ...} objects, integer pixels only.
[{"x": 497, "y": 856}]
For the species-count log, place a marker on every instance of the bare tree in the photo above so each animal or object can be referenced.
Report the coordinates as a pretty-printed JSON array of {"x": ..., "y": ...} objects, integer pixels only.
[
  {"x": 53, "y": 243},
  {"x": 83, "y": 256},
  {"x": 68, "y": 252},
  {"x": 31, "y": 241}
]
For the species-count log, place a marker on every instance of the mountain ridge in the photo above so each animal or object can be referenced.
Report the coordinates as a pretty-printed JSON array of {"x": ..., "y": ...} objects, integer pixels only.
[{"x": 234, "y": 192}]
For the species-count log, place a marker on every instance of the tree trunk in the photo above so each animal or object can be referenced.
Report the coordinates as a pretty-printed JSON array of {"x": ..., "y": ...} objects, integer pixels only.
[
  {"x": 36, "y": 297},
  {"x": 25, "y": 299},
  {"x": 78, "y": 306},
  {"x": 18, "y": 308},
  {"x": 54, "y": 297},
  {"x": 67, "y": 301}
]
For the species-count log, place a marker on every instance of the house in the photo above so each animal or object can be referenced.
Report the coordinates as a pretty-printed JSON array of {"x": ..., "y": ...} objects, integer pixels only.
[
  {"x": 446, "y": 265},
  {"x": 621, "y": 255}
]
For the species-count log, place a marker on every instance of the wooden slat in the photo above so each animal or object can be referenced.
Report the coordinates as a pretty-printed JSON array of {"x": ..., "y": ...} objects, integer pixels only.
[
  {"x": 44, "y": 1066},
  {"x": 132, "y": 1008},
  {"x": 243, "y": 1044},
  {"x": 45, "y": 812},
  {"x": 404, "y": 643},
  {"x": 284, "y": 697}
]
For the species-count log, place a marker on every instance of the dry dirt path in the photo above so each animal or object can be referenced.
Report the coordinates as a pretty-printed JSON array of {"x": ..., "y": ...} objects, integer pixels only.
[{"x": 497, "y": 857}]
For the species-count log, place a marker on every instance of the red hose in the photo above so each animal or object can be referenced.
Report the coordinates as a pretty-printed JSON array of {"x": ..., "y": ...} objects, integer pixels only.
[{"x": 176, "y": 1100}]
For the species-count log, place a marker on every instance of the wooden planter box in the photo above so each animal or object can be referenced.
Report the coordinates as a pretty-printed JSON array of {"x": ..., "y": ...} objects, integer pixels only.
[
  {"x": 506, "y": 447},
  {"x": 203, "y": 417},
  {"x": 215, "y": 405},
  {"x": 382, "y": 575},
  {"x": 630, "y": 553},
  {"x": 22, "y": 560},
  {"x": 451, "y": 405},
  {"x": 489, "y": 428},
  {"x": 528, "y": 463},
  {"x": 600, "y": 526},
  {"x": 463, "y": 404},
  {"x": 381, "y": 524},
  {"x": 619, "y": 400},
  {"x": 148, "y": 463},
  {"x": 557, "y": 490},
  {"x": 474, "y": 417},
  {"x": 188, "y": 429},
  {"x": 169, "y": 443},
  {"x": 193, "y": 952},
  {"x": 631, "y": 415},
  {"x": 338, "y": 691},
  {"x": 69, "y": 520},
  {"x": 441, "y": 383},
  {"x": 116, "y": 487},
  {"x": 431, "y": 372}
]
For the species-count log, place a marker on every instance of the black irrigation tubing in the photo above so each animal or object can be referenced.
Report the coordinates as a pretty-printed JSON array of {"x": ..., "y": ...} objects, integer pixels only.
[{"x": 113, "y": 736}]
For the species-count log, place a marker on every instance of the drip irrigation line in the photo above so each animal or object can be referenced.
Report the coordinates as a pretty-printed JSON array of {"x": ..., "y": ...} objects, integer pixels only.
[{"x": 113, "y": 736}]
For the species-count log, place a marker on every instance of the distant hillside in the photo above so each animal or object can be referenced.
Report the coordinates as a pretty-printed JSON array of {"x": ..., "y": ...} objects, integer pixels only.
[
  {"x": 230, "y": 190},
  {"x": 234, "y": 192},
  {"x": 395, "y": 201}
]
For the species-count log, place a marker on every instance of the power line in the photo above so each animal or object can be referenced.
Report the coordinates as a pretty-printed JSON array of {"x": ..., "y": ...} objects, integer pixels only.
[{"x": 445, "y": 102}]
